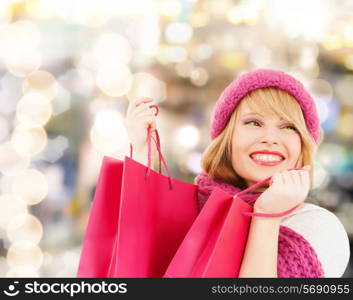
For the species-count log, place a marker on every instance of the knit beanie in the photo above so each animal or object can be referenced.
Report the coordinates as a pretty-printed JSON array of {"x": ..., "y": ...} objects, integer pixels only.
[{"x": 262, "y": 78}]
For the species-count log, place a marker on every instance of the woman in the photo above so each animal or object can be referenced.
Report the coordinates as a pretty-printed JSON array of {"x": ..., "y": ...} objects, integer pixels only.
[{"x": 265, "y": 124}]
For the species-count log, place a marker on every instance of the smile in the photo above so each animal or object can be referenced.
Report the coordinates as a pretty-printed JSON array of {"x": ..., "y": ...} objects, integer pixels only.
[{"x": 267, "y": 160}]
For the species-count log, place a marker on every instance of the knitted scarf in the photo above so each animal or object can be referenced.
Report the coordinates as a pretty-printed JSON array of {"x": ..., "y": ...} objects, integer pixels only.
[{"x": 296, "y": 257}]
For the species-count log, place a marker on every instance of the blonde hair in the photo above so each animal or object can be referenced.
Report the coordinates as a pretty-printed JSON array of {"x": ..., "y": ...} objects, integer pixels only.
[{"x": 216, "y": 160}]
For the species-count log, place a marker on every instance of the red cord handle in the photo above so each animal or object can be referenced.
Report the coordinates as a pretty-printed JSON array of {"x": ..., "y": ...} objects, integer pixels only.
[
  {"x": 266, "y": 215},
  {"x": 149, "y": 155}
]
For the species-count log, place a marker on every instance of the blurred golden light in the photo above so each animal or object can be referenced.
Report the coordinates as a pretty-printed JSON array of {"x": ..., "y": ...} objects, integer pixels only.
[
  {"x": 41, "y": 9},
  {"x": 108, "y": 134},
  {"x": 5, "y": 14},
  {"x": 234, "y": 15},
  {"x": 218, "y": 8},
  {"x": 28, "y": 141},
  {"x": 310, "y": 20},
  {"x": 92, "y": 13},
  {"x": 24, "y": 227},
  {"x": 187, "y": 136},
  {"x": 33, "y": 110},
  {"x": 22, "y": 63},
  {"x": 322, "y": 88},
  {"x": 184, "y": 68},
  {"x": 348, "y": 35},
  {"x": 260, "y": 56},
  {"x": 246, "y": 12},
  {"x": 20, "y": 35},
  {"x": 308, "y": 60},
  {"x": 179, "y": 33},
  {"x": 62, "y": 101},
  {"x": 85, "y": 60},
  {"x": 233, "y": 60},
  {"x": 348, "y": 61},
  {"x": 10, "y": 161},
  {"x": 99, "y": 103},
  {"x": 170, "y": 8},
  {"x": 31, "y": 186},
  {"x": 42, "y": 82},
  {"x": 333, "y": 42},
  {"x": 312, "y": 71},
  {"x": 201, "y": 52},
  {"x": 199, "y": 76},
  {"x": 111, "y": 49},
  {"x": 146, "y": 85},
  {"x": 79, "y": 81},
  {"x": 114, "y": 81},
  {"x": 24, "y": 254},
  {"x": 146, "y": 43},
  {"x": 172, "y": 54},
  {"x": 64, "y": 9},
  {"x": 133, "y": 7},
  {"x": 10, "y": 206},
  {"x": 344, "y": 90},
  {"x": 345, "y": 125},
  {"x": 199, "y": 19}
]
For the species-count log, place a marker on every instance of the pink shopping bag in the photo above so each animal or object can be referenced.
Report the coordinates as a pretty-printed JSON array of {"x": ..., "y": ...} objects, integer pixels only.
[
  {"x": 215, "y": 244},
  {"x": 102, "y": 225},
  {"x": 137, "y": 221}
]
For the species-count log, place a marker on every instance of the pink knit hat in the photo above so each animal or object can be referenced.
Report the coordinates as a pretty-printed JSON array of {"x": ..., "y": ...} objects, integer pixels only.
[{"x": 236, "y": 90}]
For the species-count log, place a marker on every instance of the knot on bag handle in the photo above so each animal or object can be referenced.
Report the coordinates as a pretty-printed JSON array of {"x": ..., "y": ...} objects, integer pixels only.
[
  {"x": 149, "y": 154},
  {"x": 266, "y": 215}
]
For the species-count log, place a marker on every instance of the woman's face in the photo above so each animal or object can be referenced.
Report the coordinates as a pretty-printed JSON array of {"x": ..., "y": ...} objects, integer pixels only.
[{"x": 254, "y": 132}]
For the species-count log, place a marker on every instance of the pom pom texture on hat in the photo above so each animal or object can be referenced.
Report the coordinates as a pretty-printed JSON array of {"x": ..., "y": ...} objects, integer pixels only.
[{"x": 240, "y": 87}]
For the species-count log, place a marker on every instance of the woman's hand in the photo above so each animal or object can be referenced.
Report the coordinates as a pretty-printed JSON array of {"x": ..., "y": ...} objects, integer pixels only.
[
  {"x": 287, "y": 189},
  {"x": 138, "y": 118}
]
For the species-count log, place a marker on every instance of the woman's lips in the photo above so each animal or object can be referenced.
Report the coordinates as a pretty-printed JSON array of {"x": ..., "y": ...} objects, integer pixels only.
[{"x": 266, "y": 163}]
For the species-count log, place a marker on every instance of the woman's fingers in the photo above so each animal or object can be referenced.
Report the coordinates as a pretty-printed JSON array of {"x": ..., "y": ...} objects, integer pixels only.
[
  {"x": 287, "y": 178},
  {"x": 305, "y": 178},
  {"x": 136, "y": 103},
  {"x": 277, "y": 179},
  {"x": 298, "y": 181},
  {"x": 144, "y": 107}
]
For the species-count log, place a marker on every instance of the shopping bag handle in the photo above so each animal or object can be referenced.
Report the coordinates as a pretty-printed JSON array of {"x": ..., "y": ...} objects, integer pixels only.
[
  {"x": 158, "y": 141},
  {"x": 149, "y": 154},
  {"x": 252, "y": 214}
]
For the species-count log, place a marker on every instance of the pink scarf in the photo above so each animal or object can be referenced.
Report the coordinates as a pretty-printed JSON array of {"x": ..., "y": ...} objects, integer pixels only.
[{"x": 296, "y": 257}]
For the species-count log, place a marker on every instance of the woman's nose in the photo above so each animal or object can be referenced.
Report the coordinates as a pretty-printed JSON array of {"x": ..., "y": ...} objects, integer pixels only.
[{"x": 269, "y": 136}]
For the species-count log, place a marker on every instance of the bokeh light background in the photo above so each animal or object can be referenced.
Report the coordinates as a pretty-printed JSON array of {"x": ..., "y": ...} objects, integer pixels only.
[{"x": 68, "y": 69}]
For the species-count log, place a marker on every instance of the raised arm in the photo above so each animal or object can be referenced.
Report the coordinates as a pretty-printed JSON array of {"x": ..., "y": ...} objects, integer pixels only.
[
  {"x": 287, "y": 189},
  {"x": 260, "y": 257},
  {"x": 138, "y": 117}
]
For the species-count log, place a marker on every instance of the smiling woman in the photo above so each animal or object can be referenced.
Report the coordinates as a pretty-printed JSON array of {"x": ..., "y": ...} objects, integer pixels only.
[
  {"x": 265, "y": 124},
  {"x": 264, "y": 114},
  {"x": 278, "y": 115}
]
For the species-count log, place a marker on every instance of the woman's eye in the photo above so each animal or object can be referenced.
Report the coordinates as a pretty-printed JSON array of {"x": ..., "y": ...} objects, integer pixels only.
[
  {"x": 291, "y": 127},
  {"x": 252, "y": 122}
]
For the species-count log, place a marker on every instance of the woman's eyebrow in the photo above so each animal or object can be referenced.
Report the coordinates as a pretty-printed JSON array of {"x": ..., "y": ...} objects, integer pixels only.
[
  {"x": 256, "y": 114},
  {"x": 251, "y": 114}
]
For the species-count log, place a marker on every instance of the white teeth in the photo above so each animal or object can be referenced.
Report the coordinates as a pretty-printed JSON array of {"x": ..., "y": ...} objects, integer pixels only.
[{"x": 266, "y": 157}]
